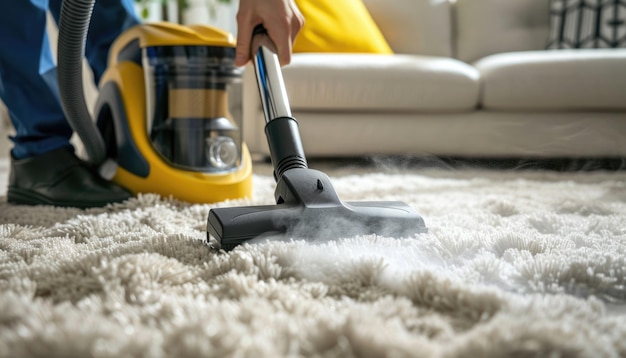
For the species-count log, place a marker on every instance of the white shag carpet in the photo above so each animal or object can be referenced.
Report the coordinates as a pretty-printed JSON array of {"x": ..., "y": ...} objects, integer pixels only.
[{"x": 519, "y": 263}]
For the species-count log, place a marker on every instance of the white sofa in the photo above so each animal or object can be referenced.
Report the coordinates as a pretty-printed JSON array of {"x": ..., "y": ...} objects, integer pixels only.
[{"x": 469, "y": 78}]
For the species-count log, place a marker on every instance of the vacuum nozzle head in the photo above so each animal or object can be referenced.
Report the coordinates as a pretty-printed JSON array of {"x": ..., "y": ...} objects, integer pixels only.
[{"x": 308, "y": 207}]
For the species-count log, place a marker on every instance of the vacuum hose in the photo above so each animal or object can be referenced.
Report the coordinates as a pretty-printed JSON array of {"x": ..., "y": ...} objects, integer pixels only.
[{"x": 73, "y": 27}]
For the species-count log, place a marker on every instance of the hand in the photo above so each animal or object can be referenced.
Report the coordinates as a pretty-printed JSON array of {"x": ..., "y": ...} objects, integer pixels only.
[{"x": 282, "y": 20}]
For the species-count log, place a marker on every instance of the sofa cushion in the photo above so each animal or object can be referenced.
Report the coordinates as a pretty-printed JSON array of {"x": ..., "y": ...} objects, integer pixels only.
[
  {"x": 587, "y": 24},
  {"x": 555, "y": 80},
  {"x": 338, "y": 26},
  {"x": 486, "y": 27},
  {"x": 420, "y": 27},
  {"x": 365, "y": 82}
]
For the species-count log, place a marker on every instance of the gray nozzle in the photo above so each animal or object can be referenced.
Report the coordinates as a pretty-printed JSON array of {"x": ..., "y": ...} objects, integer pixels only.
[{"x": 308, "y": 207}]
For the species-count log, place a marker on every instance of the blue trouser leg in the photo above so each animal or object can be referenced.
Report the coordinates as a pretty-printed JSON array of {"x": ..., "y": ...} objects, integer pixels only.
[{"x": 28, "y": 81}]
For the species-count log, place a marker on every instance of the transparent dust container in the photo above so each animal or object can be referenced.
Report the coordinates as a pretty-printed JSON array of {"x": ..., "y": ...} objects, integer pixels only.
[{"x": 194, "y": 106}]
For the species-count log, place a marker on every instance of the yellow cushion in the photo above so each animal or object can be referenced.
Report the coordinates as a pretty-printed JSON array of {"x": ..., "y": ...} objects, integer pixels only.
[{"x": 338, "y": 26}]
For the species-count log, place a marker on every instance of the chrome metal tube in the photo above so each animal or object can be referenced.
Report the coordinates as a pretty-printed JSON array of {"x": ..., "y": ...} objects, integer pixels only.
[{"x": 271, "y": 86}]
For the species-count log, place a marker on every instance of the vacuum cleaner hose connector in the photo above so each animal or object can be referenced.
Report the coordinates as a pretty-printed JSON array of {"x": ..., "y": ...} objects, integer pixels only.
[{"x": 285, "y": 146}]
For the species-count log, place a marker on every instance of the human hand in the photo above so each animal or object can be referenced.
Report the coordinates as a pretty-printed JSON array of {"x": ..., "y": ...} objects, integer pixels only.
[{"x": 282, "y": 21}]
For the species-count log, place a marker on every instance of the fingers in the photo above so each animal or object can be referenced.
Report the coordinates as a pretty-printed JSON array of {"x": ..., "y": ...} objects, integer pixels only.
[
  {"x": 281, "y": 19},
  {"x": 294, "y": 25},
  {"x": 282, "y": 42},
  {"x": 244, "y": 37},
  {"x": 242, "y": 52},
  {"x": 283, "y": 32}
]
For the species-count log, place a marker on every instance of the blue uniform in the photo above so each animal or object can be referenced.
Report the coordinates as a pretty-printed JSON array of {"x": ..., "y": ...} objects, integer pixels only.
[{"x": 28, "y": 80}]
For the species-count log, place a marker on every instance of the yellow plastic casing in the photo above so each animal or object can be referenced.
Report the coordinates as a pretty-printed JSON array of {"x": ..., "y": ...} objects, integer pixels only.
[
  {"x": 170, "y": 34},
  {"x": 163, "y": 179}
]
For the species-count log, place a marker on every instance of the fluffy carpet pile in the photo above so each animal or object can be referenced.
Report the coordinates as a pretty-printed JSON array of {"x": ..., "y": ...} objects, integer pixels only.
[{"x": 515, "y": 263}]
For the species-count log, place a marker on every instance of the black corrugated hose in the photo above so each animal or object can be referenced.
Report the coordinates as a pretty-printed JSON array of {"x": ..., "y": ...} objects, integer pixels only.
[{"x": 73, "y": 27}]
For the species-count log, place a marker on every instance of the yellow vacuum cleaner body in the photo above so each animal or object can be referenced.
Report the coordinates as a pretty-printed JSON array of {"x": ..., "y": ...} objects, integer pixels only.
[{"x": 169, "y": 110}]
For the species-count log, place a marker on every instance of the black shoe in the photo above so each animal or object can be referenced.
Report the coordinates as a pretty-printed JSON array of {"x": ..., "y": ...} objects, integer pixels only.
[{"x": 60, "y": 178}]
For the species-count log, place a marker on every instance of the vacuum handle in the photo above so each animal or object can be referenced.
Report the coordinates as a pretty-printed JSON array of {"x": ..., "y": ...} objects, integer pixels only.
[{"x": 269, "y": 76}]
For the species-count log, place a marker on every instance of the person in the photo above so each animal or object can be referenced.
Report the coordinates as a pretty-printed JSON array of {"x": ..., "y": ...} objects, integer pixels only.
[{"x": 44, "y": 168}]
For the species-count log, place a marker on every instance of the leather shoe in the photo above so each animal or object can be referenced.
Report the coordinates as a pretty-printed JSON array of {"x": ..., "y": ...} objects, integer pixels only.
[{"x": 60, "y": 178}]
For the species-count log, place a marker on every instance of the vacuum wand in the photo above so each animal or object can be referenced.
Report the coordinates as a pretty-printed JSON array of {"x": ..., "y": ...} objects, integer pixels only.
[
  {"x": 281, "y": 129},
  {"x": 307, "y": 205},
  {"x": 271, "y": 85}
]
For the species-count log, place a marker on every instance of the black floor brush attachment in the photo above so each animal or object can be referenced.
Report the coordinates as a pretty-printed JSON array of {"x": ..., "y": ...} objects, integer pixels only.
[{"x": 307, "y": 205}]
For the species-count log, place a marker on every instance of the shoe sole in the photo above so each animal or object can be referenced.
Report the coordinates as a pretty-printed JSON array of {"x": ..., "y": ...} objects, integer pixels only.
[{"x": 26, "y": 197}]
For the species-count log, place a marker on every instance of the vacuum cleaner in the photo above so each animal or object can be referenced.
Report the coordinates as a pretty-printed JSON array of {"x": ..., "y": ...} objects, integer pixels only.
[
  {"x": 307, "y": 205},
  {"x": 168, "y": 116},
  {"x": 162, "y": 117}
]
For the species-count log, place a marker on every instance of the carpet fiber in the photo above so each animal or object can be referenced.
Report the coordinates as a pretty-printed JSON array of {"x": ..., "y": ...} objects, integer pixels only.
[{"x": 516, "y": 263}]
